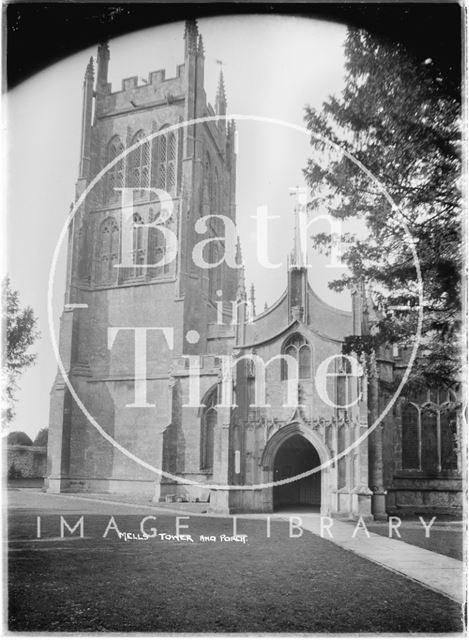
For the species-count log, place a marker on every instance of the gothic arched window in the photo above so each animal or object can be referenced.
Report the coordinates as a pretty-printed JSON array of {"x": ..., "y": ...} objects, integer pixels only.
[
  {"x": 342, "y": 384},
  {"x": 167, "y": 160},
  {"x": 410, "y": 437},
  {"x": 299, "y": 348},
  {"x": 139, "y": 163},
  {"x": 107, "y": 252},
  {"x": 449, "y": 431},
  {"x": 430, "y": 432},
  {"x": 207, "y": 432},
  {"x": 138, "y": 255},
  {"x": 139, "y": 245},
  {"x": 304, "y": 361},
  {"x": 115, "y": 175},
  {"x": 156, "y": 249},
  {"x": 209, "y": 207},
  {"x": 161, "y": 142},
  {"x": 171, "y": 163},
  {"x": 430, "y": 444}
]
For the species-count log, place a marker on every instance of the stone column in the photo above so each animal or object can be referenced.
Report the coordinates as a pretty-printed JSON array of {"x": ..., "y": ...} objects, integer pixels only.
[
  {"x": 362, "y": 495},
  {"x": 348, "y": 458},
  {"x": 335, "y": 478},
  {"x": 219, "y": 498},
  {"x": 378, "y": 500},
  {"x": 58, "y": 449}
]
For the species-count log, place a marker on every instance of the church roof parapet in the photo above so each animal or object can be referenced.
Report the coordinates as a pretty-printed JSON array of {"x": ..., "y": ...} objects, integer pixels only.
[{"x": 303, "y": 328}]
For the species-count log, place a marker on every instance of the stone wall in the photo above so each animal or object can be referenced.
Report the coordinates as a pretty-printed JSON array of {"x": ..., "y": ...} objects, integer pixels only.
[
  {"x": 419, "y": 494},
  {"x": 26, "y": 461}
]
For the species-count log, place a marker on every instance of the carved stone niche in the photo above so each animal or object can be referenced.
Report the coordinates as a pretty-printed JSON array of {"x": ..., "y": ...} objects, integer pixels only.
[{"x": 297, "y": 313}]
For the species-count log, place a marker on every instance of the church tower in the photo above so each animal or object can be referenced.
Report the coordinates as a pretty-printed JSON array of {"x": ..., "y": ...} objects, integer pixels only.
[{"x": 136, "y": 303}]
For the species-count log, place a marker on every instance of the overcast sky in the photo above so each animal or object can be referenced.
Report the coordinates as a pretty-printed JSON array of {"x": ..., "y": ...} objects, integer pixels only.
[{"x": 273, "y": 67}]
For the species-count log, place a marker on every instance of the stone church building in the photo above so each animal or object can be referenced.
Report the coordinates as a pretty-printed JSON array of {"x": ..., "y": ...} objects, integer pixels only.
[{"x": 233, "y": 454}]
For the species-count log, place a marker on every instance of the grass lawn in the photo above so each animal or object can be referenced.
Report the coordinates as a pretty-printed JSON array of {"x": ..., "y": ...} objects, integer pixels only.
[
  {"x": 276, "y": 584},
  {"x": 445, "y": 537}
]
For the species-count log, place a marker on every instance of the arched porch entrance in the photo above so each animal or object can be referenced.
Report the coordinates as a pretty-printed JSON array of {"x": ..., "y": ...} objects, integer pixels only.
[
  {"x": 295, "y": 456},
  {"x": 305, "y": 449}
]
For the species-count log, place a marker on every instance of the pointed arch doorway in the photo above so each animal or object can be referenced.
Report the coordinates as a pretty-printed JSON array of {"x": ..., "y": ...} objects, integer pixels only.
[
  {"x": 290, "y": 451},
  {"x": 295, "y": 456}
]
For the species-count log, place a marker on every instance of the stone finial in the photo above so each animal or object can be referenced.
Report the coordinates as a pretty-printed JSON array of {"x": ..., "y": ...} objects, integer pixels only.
[
  {"x": 375, "y": 315},
  {"x": 363, "y": 361},
  {"x": 231, "y": 135},
  {"x": 373, "y": 369},
  {"x": 220, "y": 101},
  {"x": 241, "y": 291},
  {"x": 191, "y": 33},
  {"x": 221, "y": 85},
  {"x": 252, "y": 299},
  {"x": 85, "y": 151},
  {"x": 238, "y": 254},
  {"x": 103, "y": 63},
  {"x": 89, "y": 73},
  {"x": 357, "y": 309},
  {"x": 298, "y": 258},
  {"x": 200, "y": 46},
  {"x": 103, "y": 51}
]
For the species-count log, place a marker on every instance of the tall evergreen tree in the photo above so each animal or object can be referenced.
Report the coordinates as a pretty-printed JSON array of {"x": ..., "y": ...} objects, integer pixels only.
[{"x": 399, "y": 118}]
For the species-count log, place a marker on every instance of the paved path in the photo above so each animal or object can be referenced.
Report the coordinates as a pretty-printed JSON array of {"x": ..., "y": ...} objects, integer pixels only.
[
  {"x": 433, "y": 570},
  {"x": 437, "y": 572}
]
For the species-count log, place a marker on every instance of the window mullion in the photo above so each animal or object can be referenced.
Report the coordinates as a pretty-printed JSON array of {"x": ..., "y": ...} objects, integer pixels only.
[
  {"x": 419, "y": 435},
  {"x": 438, "y": 438}
]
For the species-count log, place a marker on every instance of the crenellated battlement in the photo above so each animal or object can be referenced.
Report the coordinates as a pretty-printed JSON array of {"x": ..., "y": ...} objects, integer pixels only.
[
  {"x": 155, "y": 80},
  {"x": 135, "y": 92}
]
